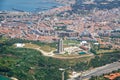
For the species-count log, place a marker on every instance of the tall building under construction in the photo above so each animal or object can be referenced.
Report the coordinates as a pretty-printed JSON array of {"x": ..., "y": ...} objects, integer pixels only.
[{"x": 60, "y": 46}]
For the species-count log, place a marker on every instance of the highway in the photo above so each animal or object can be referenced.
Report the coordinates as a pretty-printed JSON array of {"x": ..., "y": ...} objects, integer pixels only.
[{"x": 99, "y": 71}]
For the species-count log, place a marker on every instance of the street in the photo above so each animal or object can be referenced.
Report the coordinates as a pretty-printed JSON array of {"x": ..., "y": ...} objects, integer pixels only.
[{"x": 100, "y": 70}]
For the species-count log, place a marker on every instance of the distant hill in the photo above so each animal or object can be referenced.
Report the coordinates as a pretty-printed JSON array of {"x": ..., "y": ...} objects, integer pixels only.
[{"x": 88, "y": 5}]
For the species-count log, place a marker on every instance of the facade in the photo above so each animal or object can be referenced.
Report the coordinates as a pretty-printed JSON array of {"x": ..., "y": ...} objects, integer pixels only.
[{"x": 68, "y": 34}]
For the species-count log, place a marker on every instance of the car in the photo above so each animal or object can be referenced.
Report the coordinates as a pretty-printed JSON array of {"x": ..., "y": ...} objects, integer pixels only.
[{"x": 118, "y": 60}]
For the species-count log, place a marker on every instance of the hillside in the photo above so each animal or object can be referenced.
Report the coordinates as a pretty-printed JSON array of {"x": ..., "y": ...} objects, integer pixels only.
[
  {"x": 95, "y": 4},
  {"x": 30, "y": 64}
]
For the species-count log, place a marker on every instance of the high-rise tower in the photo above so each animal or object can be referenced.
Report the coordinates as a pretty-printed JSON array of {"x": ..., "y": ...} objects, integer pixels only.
[{"x": 60, "y": 46}]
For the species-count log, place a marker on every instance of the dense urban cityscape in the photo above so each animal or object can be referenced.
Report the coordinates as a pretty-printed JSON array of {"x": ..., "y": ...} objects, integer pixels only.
[{"x": 79, "y": 40}]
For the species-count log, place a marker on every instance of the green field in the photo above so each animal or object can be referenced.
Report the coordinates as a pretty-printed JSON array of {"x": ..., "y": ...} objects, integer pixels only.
[
  {"x": 45, "y": 48},
  {"x": 68, "y": 43}
]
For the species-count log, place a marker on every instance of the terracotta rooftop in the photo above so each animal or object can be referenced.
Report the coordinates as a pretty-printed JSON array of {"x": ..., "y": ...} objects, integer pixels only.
[{"x": 112, "y": 76}]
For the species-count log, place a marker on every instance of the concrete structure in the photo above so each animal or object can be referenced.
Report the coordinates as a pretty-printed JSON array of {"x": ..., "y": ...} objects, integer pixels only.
[
  {"x": 72, "y": 50},
  {"x": 60, "y": 46},
  {"x": 19, "y": 45}
]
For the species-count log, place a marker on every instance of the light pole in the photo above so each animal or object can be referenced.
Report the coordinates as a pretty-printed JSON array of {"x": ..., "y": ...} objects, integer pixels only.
[
  {"x": 63, "y": 75},
  {"x": 81, "y": 75},
  {"x": 61, "y": 69}
]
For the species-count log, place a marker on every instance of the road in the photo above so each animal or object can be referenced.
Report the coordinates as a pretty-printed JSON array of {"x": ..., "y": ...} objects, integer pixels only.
[{"x": 100, "y": 70}]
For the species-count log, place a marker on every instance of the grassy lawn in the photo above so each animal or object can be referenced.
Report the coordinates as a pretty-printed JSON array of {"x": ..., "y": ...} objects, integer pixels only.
[
  {"x": 72, "y": 62},
  {"x": 71, "y": 42},
  {"x": 29, "y": 45},
  {"x": 104, "y": 51},
  {"x": 45, "y": 48}
]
